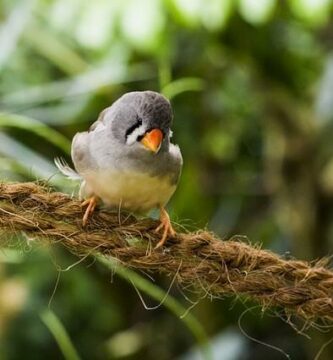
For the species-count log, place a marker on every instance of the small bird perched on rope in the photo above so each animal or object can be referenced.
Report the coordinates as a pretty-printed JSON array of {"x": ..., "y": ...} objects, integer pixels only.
[{"x": 126, "y": 159}]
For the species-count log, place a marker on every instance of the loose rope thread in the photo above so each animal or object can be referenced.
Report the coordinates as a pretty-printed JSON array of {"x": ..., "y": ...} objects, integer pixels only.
[{"x": 196, "y": 259}]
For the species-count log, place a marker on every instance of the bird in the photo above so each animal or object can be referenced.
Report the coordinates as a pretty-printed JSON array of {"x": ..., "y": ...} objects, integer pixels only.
[{"x": 126, "y": 159}]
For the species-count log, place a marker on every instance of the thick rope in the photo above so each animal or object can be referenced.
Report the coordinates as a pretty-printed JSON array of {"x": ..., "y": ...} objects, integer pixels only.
[{"x": 198, "y": 259}]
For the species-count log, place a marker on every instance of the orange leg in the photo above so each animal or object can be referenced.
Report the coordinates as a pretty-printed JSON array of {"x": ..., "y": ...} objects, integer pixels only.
[
  {"x": 166, "y": 226},
  {"x": 91, "y": 202}
]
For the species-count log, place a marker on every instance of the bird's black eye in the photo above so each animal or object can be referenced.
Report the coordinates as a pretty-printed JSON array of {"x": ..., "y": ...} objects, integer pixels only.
[{"x": 134, "y": 126}]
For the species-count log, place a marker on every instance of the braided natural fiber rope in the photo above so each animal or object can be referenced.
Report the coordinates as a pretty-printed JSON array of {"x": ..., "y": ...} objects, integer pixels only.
[{"x": 198, "y": 259}]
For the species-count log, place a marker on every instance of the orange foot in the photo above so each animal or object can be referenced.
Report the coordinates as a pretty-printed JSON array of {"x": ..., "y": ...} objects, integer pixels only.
[
  {"x": 166, "y": 226},
  {"x": 91, "y": 202}
]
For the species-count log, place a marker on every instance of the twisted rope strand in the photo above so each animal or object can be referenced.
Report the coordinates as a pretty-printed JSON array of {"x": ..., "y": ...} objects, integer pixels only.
[{"x": 198, "y": 259}]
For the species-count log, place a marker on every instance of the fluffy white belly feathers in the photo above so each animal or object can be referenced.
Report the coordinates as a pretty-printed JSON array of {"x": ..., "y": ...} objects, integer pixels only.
[{"x": 137, "y": 192}]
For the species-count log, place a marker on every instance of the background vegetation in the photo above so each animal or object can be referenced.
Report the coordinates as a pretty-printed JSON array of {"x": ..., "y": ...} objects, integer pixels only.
[{"x": 251, "y": 83}]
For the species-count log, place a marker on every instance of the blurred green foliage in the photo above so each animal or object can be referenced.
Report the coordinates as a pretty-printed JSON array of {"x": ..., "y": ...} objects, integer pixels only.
[{"x": 251, "y": 83}]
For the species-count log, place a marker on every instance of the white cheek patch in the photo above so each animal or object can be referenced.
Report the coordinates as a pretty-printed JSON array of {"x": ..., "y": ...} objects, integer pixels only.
[
  {"x": 170, "y": 134},
  {"x": 139, "y": 131}
]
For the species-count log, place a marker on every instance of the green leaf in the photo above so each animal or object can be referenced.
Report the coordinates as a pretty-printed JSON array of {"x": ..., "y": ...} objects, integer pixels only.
[
  {"x": 60, "y": 335},
  {"x": 182, "y": 85},
  {"x": 55, "y": 50},
  {"x": 37, "y": 127}
]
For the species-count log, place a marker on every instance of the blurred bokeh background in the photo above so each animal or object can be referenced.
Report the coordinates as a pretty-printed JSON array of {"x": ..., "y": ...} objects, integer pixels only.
[{"x": 251, "y": 83}]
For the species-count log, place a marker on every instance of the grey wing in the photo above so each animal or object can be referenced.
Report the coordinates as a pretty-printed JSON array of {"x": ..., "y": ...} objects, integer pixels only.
[
  {"x": 100, "y": 120},
  {"x": 178, "y": 161},
  {"x": 82, "y": 151},
  {"x": 81, "y": 156}
]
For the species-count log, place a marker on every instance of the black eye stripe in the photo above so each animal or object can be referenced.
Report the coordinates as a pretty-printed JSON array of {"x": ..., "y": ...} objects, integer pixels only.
[{"x": 134, "y": 126}]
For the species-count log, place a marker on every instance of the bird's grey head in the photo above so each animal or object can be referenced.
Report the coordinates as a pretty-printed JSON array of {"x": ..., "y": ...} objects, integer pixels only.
[{"x": 140, "y": 119}]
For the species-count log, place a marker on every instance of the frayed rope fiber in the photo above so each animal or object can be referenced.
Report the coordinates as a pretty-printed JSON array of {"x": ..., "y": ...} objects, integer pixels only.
[{"x": 198, "y": 259}]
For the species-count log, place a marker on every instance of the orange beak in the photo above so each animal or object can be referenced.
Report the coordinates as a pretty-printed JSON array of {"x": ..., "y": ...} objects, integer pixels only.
[{"x": 152, "y": 140}]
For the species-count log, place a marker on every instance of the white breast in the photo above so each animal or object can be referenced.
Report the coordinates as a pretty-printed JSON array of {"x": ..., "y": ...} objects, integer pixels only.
[{"x": 132, "y": 191}]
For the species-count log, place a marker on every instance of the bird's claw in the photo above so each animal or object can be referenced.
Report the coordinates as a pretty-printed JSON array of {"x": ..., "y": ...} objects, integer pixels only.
[
  {"x": 166, "y": 226},
  {"x": 91, "y": 202}
]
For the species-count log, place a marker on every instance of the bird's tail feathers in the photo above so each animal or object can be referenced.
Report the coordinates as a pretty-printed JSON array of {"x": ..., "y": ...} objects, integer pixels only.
[{"x": 65, "y": 169}]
